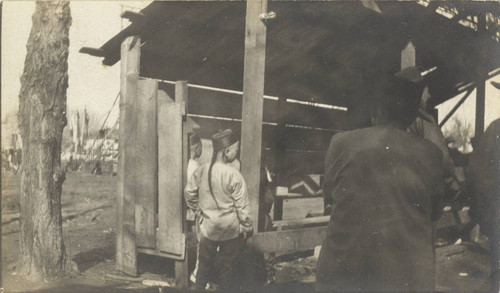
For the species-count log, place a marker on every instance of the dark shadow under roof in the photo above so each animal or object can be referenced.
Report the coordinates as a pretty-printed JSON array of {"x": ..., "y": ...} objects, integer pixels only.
[{"x": 328, "y": 52}]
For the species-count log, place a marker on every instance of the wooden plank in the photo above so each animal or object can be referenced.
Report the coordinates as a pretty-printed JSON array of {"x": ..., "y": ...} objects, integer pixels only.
[
  {"x": 279, "y": 152},
  {"x": 253, "y": 101},
  {"x": 126, "y": 255},
  {"x": 305, "y": 221},
  {"x": 482, "y": 75},
  {"x": 181, "y": 266},
  {"x": 146, "y": 163},
  {"x": 288, "y": 241},
  {"x": 170, "y": 236}
]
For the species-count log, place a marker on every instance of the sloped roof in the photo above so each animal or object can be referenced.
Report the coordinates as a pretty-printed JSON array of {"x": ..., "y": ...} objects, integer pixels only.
[{"x": 328, "y": 52}]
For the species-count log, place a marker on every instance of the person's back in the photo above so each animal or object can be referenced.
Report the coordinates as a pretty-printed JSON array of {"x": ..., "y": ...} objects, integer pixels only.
[
  {"x": 382, "y": 182},
  {"x": 221, "y": 218}
]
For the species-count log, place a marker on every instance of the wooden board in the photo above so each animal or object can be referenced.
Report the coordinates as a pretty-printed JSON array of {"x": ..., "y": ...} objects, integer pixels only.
[
  {"x": 181, "y": 266},
  {"x": 126, "y": 254},
  {"x": 146, "y": 162},
  {"x": 294, "y": 138},
  {"x": 253, "y": 102},
  {"x": 170, "y": 200},
  {"x": 208, "y": 103},
  {"x": 288, "y": 241},
  {"x": 322, "y": 220}
]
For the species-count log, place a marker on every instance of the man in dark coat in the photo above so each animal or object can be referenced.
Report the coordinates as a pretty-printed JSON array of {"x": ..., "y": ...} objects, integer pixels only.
[
  {"x": 483, "y": 181},
  {"x": 384, "y": 185}
]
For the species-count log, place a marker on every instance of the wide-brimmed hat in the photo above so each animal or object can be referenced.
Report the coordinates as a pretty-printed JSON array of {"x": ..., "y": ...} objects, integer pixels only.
[{"x": 223, "y": 139}]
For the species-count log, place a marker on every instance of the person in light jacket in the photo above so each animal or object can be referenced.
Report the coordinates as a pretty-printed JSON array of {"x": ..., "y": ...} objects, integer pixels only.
[{"x": 218, "y": 194}]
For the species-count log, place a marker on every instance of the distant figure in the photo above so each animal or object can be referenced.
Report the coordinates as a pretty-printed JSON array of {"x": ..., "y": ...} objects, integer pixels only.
[
  {"x": 218, "y": 194},
  {"x": 97, "y": 169},
  {"x": 195, "y": 150},
  {"x": 384, "y": 185},
  {"x": 483, "y": 181},
  {"x": 426, "y": 126}
]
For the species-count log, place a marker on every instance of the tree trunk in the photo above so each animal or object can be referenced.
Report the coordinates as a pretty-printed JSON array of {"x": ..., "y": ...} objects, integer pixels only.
[{"x": 42, "y": 117}]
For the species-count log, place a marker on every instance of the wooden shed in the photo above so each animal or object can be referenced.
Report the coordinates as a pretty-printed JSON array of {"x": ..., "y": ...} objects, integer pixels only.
[{"x": 287, "y": 75}]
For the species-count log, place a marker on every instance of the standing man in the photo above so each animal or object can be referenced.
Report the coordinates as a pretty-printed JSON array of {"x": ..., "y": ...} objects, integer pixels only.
[
  {"x": 426, "y": 126},
  {"x": 484, "y": 187},
  {"x": 218, "y": 194},
  {"x": 384, "y": 185}
]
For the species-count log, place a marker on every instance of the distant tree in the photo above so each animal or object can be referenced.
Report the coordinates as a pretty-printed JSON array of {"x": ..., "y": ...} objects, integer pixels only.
[
  {"x": 460, "y": 132},
  {"x": 42, "y": 117}
]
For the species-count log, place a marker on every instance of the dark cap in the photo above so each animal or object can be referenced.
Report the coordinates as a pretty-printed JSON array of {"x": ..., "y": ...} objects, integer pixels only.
[
  {"x": 223, "y": 139},
  {"x": 194, "y": 139},
  {"x": 411, "y": 74}
]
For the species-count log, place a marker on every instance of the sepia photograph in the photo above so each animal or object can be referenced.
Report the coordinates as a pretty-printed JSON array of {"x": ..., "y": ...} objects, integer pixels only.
[{"x": 250, "y": 146}]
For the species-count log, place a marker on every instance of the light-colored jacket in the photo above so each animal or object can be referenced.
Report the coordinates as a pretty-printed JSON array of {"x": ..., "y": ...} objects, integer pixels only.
[{"x": 225, "y": 214}]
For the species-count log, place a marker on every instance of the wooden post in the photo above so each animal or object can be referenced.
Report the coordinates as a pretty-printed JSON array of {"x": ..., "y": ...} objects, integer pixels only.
[
  {"x": 126, "y": 253},
  {"x": 181, "y": 266},
  {"x": 280, "y": 152},
  {"x": 146, "y": 163},
  {"x": 170, "y": 236},
  {"x": 481, "y": 82},
  {"x": 253, "y": 101},
  {"x": 455, "y": 108}
]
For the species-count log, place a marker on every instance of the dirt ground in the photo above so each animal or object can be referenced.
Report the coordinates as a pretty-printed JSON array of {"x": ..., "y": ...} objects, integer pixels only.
[{"x": 89, "y": 233}]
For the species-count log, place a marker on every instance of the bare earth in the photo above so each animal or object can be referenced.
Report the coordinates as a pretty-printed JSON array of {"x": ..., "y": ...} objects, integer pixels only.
[{"x": 89, "y": 235}]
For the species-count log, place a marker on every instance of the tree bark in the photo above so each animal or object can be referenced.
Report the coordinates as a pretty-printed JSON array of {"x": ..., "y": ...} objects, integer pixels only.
[{"x": 42, "y": 117}]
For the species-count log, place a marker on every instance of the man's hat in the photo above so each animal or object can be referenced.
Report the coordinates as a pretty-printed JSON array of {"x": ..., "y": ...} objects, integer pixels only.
[
  {"x": 410, "y": 74},
  {"x": 194, "y": 139},
  {"x": 223, "y": 139}
]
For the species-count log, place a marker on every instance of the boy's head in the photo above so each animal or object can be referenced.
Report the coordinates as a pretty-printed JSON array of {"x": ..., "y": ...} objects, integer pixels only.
[
  {"x": 195, "y": 146},
  {"x": 227, "y": 142}
]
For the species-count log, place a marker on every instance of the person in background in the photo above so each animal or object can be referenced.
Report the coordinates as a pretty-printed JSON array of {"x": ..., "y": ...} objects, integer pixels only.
[
  {"x": 218, "y": 194},
  {"x": 195, "y": 149},
  {"x": 426, "y": 126},
  {"x": 385, "y": 185},
  {"x": 267, "y": 193},
  {"x": 483, "y": 182}
]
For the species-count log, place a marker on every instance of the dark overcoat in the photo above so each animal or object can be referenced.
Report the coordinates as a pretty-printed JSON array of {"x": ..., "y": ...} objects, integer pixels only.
[{"x": 385, "y": 185}]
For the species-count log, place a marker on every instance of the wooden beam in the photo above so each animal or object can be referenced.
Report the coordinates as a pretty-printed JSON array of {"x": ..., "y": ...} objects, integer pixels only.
[
  {"x": 146, "y": 163},
  {"x": 97, "y": 52},
  {"x": 170, "y": 237},
  {"x": 481, "y": 82},
  {"x": 288, "y": 241},
  {"x": 126, "y": 254},
  {"x": 132, "y": 15},
  {"x": 253, "y": 100},
  {"x": 455, "y": 108},
  {"x": 181, "y": 266},
  {"x": 305, "y": 221},
  {"x": 280, "y": 153}
]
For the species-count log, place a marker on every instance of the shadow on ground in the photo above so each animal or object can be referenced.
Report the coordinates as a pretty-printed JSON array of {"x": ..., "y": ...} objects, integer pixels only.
[{"x": 86, "y": 260}]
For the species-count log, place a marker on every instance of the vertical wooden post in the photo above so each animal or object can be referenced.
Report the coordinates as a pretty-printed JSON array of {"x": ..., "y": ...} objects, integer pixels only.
[
  {"x": 126, "y": 253},
  {"x": 170, "y": 236},
  {"x": 253, "y": 101},
  {"x": 481, "y": 82},
  {"x": 181, "y": 266},
  {"x": 280, "y": 152},
  {"x": 480, "y": 106},
  {"x": 146, "y": 163}
]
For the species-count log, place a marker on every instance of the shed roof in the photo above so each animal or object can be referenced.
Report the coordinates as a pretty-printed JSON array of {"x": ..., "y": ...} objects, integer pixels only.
[{"x": 327, "y": 52}]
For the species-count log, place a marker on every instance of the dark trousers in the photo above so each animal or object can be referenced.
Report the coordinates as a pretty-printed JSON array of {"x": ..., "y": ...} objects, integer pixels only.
[{"x": 229, "y": 250}]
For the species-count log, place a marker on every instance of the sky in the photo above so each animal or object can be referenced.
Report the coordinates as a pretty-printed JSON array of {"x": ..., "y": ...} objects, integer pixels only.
[
  {"x": 94, "y": 86},
  {"x": 91, "y": 84}
]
